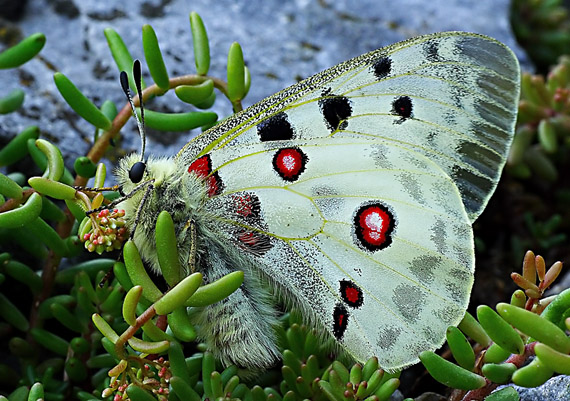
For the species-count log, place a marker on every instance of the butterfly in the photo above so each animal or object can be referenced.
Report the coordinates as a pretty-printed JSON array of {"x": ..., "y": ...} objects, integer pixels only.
[{"x": 349, "y": 195}]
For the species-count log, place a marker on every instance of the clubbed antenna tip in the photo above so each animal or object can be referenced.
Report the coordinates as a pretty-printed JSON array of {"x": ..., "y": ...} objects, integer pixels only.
[{"x": 125, "y": 85}]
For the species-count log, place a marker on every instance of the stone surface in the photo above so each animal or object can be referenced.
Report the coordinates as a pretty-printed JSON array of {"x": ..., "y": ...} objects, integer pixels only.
[
  {"x": 555, "y": 389},
  {"x": 282, "y": 42}
]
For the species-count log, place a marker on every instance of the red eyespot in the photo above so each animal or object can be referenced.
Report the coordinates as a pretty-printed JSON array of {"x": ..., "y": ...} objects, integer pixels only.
[
  {"x": 373, "y": 225},
  {"x": 351, "y": 293},
  {"x": 340, "y": 321},
  {"x": 202, "y": 167},
  {"x": 289, "y": 163}
]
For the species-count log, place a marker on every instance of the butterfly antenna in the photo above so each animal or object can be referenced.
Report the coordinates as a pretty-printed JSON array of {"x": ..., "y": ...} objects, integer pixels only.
[{"x": 125, "y": 85}]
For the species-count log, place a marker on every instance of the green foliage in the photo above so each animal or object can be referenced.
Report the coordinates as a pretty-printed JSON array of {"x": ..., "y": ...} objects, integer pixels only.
[
  {"x": 538, "y": 332},
  {"x": 22, "y": 52},
  {"x": 543, "y": 28},
  {"x": 541, "y": 140}
]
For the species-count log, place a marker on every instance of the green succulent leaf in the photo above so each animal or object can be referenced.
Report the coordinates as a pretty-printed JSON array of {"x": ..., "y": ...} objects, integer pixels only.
[
  {"x": 11, "y": 314},
  {"x": 532, "y": 375},
  {"x": 75, "y": 369},
  {"x": 17, "y": 148},
  {"x": 50, "y": 341},
  {"x": 79, "y": 102},
  {"x": 149, "y": 347},
  {"x": 369, "y": 368},
  {"x": 195, "y": 94},
  {"x": 153, "y": 57},
  {"x": 557, "y": 361},
  {"x": 65, "y": 317},
  {"x": 329, "y": 392},
  {"x": 180, "y": 325},
  {"x": 555, "y": 312},
  {"x": 121, "y": 55},
  {"x": 535, "y": 326},
  {"x": 10, "y": 188},
  {"x": 460, "y": 348},
  {"x": 217, "y": 290},
  {"x": 24, "y": 274},
  {"x": 500, "y": 372},
  {"x": 104, "y": 328},
  {"x": 54, "y": 158},
  {"x": 51, "y": 188},
  {"x": 130, "y": 304},
  {"x": 208, "y": 366},
  {"x": 12, "y": 101},
  {"x": 504, "y": 394},
  {"x": 23, "y": 214},
  {"x": 236, "y": 73},
  {"x": 166, "y": 249},
  {"x": 85, "y": 167},
  {"x": 201, "y": 44},
  {"x": 387, "y": 389},
  {"x": 183, "y": 390},
  {"x": 47, "y": 235},
  {"x": 178, "y": 122},
  {"x": 178, "y": 295},
  {"x": 22, "y": 52},
  {"x": 547, "y": 136},
  {"x": 471, "y": 327},
  {"x": 36, "y": 392},
  {"x": 450, "y": 374},
  {"x": 42, "y": 162},
  {"x": 137, "y": 272},
  {"x": 500, "y": 331},
  {"x": 136, "y": 393}
]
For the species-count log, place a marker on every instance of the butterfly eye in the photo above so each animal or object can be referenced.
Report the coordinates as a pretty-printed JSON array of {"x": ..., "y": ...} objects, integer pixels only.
[{"x": 136, "y": 172}]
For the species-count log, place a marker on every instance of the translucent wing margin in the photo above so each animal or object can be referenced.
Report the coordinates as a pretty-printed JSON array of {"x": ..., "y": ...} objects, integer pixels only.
[{"x": 450, "y": 96}]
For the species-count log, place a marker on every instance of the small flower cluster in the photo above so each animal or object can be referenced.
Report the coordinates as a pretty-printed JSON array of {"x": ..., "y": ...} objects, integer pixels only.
[
  {"x": 107, "y": 231},
  {"x": 154, "y": 377}
]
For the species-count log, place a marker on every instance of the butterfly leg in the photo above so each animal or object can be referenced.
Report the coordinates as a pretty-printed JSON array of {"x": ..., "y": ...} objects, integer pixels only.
[{"x": 190, "y": 227}]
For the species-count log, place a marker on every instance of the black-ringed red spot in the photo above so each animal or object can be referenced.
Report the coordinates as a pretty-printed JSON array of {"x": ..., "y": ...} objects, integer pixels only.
[
  {"x": 289, "y": 163},
  {"x": 373, "y": 226},
  {"x": 351, "y": 293},
  {"x": 402, "y": 106},
  {"x": 340, "y": 321},
  {"x": 202, "y": 167}
]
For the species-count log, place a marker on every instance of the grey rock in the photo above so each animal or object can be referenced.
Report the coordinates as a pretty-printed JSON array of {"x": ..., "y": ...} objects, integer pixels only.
[
  {"x": 283, "y": 41},
  {"x": 555, "y": 389}
]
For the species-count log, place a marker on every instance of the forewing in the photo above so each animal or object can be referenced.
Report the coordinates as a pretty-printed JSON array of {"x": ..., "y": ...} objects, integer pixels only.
[{"x": 450, "y": 96}]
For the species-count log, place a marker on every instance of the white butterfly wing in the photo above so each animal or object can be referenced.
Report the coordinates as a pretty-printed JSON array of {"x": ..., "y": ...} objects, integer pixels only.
[
  {"x": 354, "y": 190},
  {"x": 451, "y": 96},
  {"x": 375, "y": 246}
]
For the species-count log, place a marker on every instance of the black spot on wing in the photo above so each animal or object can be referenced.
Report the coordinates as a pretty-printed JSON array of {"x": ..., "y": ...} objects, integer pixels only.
[
  {"x": 431, "y": 51},
  {"x": 335, "y": 110},
  {"x": 402, "y": 106},
  {"x": 276, "y": 128},
  {"x": 382, "y": 67},
  {"x": 351, "y": 293},
  {"x": 340, "y": 321}
]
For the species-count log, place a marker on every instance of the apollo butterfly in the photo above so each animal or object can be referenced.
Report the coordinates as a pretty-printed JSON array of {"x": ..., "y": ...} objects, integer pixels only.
[{"x": 349, "y": 195}]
